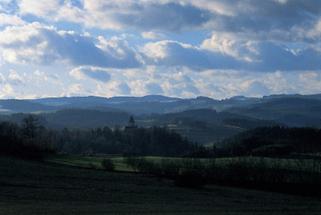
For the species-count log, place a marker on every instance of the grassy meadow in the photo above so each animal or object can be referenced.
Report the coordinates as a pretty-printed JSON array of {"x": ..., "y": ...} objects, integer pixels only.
[
  {"x": 94, "y": 162},
  {"x": 33, "y": 188},
  {"x": 294, "y": 176}
]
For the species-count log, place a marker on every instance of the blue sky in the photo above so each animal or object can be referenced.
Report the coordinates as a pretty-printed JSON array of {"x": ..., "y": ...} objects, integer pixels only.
[{"x": 186, "y": 48}]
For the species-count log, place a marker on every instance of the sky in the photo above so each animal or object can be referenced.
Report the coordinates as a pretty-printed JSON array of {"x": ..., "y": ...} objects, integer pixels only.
[{"x": 180, "y": 48}]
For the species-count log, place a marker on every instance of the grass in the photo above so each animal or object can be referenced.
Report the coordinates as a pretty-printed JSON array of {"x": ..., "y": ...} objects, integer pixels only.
[
  {"x": 31, "y": 188},
  {"x": 90, "y": 162},
  {"x": 304, "y": 165}
]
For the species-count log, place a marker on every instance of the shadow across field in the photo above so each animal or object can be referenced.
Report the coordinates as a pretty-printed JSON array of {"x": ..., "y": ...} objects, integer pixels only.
[
  {"x": 288, "y": 175},
  {"x": 42, "y": 188},
  {"x": 247, "y": 172}
]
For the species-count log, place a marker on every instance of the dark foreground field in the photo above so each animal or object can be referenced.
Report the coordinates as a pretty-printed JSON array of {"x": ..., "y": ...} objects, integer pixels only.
[{"x": 34, "y": 188}]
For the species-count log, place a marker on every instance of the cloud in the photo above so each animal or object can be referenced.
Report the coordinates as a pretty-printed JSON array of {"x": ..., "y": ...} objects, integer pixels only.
[
  {"x": 75, "y": 90},
  {"x": 152, "y": 35},
  {"x": 171, "y": 16},
  {"x": 7, "y": 6},
  {"x": 112, "y": 88},
  {"x": 14, "y": 78},
  {"x": 39, "y": 8},
  {"x": 274, "y": 57},
  {"x": 255, "y": 16},
  {"x": 2, "y": 79},
  {"x": 186, "y": 48},
  {"x": 6, "y": 90},
  {"x": 98, "y": 74},
  {"x": 154, "y": 88},
  {"x": 123, "y": 88},
  {"x": 260, "y": 55},
  {"x": 273, "y": 17},
  {"x": 231, "y": 45},
  {"x": 172, "y": 53},
  {"x": 40, "y": 44},
  {"x": 36, "y": 43},
  {"x": 257, "y": 89},
  {"x": 6, "y": 19},
  {"x": 138, "y": 14},
  {"x": 229, "y": 53}
]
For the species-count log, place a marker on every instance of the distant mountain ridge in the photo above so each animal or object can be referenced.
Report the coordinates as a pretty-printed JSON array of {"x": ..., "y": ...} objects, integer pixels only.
[
  {"x": 201, "y": 119},
  {"x": 135, "y": 105},
  {"x": 141, "y": 105}
]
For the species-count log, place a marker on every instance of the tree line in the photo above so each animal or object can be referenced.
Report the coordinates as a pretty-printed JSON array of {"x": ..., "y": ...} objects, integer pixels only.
[
  {"x": 247, "y": 172},
  {"x": 30, "y": 139},
  {"x": 276, "y": 141}
]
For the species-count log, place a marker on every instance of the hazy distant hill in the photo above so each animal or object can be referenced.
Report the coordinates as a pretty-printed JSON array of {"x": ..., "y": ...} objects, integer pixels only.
[
  {"x": 205, "y": 125},
  {"x": 201, "y": 119},
  {"x": 16, "y": 106},
  {"x": 82, "y": 118},
  {"x": 135, "y": 105},
  {"x": 292, "y": 111}
]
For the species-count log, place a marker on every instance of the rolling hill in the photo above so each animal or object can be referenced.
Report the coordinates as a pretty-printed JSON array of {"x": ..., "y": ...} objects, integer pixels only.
[
  {"x": 291, "y": 111},
  {"x": 205, "y": 125},
  {"x": 201, "y": 119}
]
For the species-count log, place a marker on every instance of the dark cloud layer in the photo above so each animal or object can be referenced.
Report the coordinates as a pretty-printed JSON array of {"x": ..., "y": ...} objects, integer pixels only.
[
  {"x": 154, "y": 89},
  {"x": 177, "y": 54},
  {"x": 97, "y": 74},
  {"x": 168, "y": 17},
  {"x": 81, "y": 50},
  {"x": 269, "y": 57},
  {"x": 54, "y": 45},
  {"x": 264, "y": 45},
  {"x": 253, "y": 15}
]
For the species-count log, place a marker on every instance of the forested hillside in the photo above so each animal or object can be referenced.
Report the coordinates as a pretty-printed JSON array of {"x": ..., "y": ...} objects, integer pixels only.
[
  {"x": 274, "y": 141},
  {"x": 203, "y": 120},
  {"x": 31, "y": 140}
]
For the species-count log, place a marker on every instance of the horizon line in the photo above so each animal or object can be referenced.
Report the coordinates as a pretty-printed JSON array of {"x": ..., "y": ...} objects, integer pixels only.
[{"x": 160, "y": 95}]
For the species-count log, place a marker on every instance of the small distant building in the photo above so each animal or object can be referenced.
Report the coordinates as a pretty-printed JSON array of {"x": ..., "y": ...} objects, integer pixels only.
[{"x": 131, "y": 124}]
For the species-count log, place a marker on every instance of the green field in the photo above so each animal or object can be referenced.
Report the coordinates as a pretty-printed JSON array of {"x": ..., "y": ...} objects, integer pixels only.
[
  {"x": 94, "y": 162},
  {"x": 31, "y": 188},
  {"x": 90, "y": 162}
]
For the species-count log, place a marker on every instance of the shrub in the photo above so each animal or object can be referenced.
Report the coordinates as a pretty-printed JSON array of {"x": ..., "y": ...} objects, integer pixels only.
[
  {"x": 169, "y": 168},
  {"x": 191, "y": 178},
  {"x": 108, "y": 165}
]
